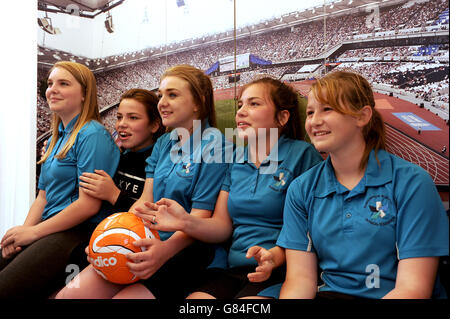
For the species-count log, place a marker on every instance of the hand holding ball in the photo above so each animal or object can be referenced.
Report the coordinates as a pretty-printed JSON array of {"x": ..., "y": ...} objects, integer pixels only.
[{"x": 112, "y": 240}]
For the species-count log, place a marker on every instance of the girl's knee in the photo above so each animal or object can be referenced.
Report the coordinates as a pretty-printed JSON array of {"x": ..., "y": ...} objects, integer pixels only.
[{"x": 200, "y": 295}]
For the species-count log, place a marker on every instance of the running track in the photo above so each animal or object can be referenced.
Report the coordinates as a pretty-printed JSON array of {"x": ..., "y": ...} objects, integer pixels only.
[{"x": 405, "y": 147}]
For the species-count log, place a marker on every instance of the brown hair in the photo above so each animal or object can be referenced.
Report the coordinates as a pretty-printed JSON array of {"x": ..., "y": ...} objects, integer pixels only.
[
  {"x": 347, "y": 93},
  {"x": 201, "y": 89},
  {"x": 284, "y": 97},
  {"x": 150, "y": 101},
  {"x": 89, "y": 110}
]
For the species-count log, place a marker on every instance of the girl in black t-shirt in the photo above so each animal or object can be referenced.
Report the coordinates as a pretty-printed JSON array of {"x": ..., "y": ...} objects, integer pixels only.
[{"x": 138, "y": 126}]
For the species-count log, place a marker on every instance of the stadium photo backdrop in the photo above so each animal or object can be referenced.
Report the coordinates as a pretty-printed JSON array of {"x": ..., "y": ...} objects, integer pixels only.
[{"x": 400, "y": 46}]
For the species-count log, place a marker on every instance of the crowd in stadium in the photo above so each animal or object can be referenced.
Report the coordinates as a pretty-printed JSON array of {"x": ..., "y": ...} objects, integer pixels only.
[{"x": 289, "y": 44}]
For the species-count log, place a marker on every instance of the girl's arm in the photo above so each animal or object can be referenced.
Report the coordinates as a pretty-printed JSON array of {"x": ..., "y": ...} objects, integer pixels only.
[
  {"x": 158, "y": 252},
  {"x": 100, "y": 185},
  {"x": 301, "y": 275},
  {"x": 8, "y": 246},
  {"x": 77, "y": 212},
  {"x": 171, "y": 216},
  {"x": 415, "y": 278},
  {"x": 180, "y": 240},
  {"x": 37, "y": 208}
]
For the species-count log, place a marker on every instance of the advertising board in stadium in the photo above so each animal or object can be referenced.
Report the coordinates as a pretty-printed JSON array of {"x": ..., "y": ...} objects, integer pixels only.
[
  {"x": 227, "y": 63},
  {"x": 416, "y": 122}
]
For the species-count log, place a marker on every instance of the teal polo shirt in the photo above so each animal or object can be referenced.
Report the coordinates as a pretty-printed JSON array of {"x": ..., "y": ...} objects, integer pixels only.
[
  {"x": 359, "y": 236},
  {"x": 185, "y": 174},
  {"x": 93, "y": 149},
  {"x": 256, "y": 200}
]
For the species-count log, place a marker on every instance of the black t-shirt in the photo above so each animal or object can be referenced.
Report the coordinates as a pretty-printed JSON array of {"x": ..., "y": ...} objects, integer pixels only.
[{"x": 130, "y": 179}]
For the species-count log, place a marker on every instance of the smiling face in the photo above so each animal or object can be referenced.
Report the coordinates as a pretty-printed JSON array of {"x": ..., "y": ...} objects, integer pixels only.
[
  {"x": 176, "y": 105},
  {"x": 64, "y": 94},
  {"x": 256, "y": 110},
  {"x": 329, "y": 130},
  {"x": 133, "y": 126}
]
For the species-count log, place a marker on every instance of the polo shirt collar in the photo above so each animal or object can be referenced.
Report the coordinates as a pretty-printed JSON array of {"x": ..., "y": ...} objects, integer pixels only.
[
  {"x": 282, "y": 147},
  {"x": 140, "y": 151},
  {"x": 69, "y": 128},
  {"x": 375, "y": 175}
]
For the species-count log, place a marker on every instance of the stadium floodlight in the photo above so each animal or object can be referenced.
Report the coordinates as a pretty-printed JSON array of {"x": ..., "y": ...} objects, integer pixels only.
[
  {"x": 109, "y": 23},
  {"x": 46, "y": 25}
]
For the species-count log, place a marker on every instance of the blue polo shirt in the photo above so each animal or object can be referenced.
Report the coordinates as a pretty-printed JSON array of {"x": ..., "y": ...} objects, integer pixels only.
[
  {"x": 93, "y": 149},
  {"x": 359, "y": 236},
  {"x": 256, "y": 200},
  {"x": 185, "y": 174}
]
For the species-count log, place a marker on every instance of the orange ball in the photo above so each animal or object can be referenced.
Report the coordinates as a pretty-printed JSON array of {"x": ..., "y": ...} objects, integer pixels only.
[{"x": 112, "y": 240}]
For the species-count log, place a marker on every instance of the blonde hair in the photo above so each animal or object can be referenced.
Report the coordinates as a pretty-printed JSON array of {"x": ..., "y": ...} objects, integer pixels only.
[
  {"x": 201, "y": 89},
  {"x": 348, "y": 93},
  {"x": 89, "y": 110}
]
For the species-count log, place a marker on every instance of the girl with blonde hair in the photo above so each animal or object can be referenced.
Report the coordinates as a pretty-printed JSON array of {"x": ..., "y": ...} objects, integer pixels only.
[
  {"x": 35, "y": 255},
  {"x": 372, "y": 222}
]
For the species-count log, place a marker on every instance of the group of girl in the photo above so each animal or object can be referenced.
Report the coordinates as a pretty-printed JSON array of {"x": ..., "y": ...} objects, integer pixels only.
[{"x": 371, "y": 223}]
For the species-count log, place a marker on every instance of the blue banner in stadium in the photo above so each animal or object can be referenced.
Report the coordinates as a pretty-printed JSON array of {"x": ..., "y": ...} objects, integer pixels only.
[{"x": 416, "y": 122}]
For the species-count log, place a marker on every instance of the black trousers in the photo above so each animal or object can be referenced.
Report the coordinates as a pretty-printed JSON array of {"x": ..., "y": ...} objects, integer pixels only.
[
  {"x": 233, "y": 283},
  {"x": 178, "y": 277},
  {"x": 42, "y": 268}
]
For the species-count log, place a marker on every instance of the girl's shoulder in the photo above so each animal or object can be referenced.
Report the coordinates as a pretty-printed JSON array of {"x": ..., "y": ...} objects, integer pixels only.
[
  {"x": 92, "y": 127},
  {"x": 163, "y": 141},
  {"x": 311, "y": 178},
  {"x": 402, "y": 169}
]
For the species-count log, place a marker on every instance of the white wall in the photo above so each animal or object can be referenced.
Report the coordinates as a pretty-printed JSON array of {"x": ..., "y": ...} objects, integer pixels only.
[{"x": 18, "y": 58}]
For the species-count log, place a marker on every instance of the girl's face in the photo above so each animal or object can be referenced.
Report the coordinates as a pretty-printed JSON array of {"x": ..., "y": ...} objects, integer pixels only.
[
  {"x": 256, "y": 111},
  {"x": 133, "y": 126},
  {"x": 176, "y": 105},
  {"x": 64, "y": 94},
  {"x": 329, "y": 130}
]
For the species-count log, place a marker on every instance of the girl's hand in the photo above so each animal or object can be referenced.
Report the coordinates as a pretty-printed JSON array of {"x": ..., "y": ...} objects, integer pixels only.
[
  {"x": 165, "y": 215},
  {"x": 145, "y": 264},
  {"x": 9, "y": 251},
  {"x": 265, "y": 261},
  {"x": 146, "y": 212},
  {"x": 17, "y": 237},
  {"x": 99, "y": 185}
]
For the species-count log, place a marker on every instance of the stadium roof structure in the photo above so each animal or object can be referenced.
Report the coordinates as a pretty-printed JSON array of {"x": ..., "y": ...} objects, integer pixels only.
[
  {"x": 48, "y": 57},
  {"x": 83, "y": 8}
]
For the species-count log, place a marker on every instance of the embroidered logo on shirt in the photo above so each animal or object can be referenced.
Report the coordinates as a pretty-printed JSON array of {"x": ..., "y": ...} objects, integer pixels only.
[
  {"x": 281, "y": 179},
  {"x": 380, "y": 209},
  {"x": 186, "y": 168}
]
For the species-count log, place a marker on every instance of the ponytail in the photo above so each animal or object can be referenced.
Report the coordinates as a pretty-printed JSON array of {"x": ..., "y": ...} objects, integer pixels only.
[{"x": 375, "y": 136}]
